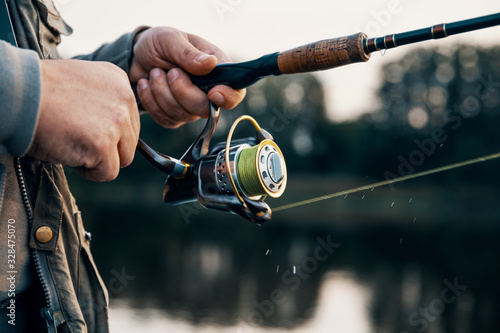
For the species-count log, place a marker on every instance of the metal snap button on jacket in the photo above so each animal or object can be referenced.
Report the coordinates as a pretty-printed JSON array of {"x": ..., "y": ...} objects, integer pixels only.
[{"x": 44, "y": 234}]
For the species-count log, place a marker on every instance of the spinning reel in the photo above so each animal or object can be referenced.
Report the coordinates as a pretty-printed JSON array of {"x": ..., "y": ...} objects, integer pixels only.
[{"x": 235, "y": 176}]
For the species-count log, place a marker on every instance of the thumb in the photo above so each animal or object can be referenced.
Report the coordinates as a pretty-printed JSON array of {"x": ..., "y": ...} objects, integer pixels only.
[{"x": 193, "y": 60}]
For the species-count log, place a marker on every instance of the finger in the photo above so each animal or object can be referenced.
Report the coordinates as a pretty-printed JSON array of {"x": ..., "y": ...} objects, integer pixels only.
[
  {"x": 126, "y": 150},
  {"x": 136, "y": 72},
  {"x": 226, "y": 97},
  {"x": 192, "y": 99},
  {"x": 207, "y": 47},
  {"x": 167, "y": 101},
  {"x": 106, "y": 169},
  {"x": 158, "y": 100},
  {"x": 186, "y": 55},
  {"x": 135, "y": 120},
  {"x": 151, "y": 105},
  {"x": 146, "y": 95},
  {"x": 127, "y": 141}
]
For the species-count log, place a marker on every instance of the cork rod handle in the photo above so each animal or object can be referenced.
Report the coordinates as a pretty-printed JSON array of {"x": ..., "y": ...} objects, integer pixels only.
[{"x": 325, "y": 54}]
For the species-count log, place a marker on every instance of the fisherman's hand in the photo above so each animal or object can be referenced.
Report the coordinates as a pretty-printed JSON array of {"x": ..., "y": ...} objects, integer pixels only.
[
  {"x": 170, "y": 98},
  {"x": 88, "y": 118}
]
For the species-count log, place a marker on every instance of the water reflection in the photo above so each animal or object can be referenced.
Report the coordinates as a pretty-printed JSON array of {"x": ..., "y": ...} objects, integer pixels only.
[
  {"x": 434, "y": 270},
  {"x": 341, "y": 307}
]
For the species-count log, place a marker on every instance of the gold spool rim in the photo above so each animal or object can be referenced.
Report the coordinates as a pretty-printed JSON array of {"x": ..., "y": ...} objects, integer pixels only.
[{"x": 281, "y": 190}]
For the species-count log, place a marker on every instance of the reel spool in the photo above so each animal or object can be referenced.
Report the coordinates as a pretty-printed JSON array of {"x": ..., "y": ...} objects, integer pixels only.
[
  {"x": 261, "y": 170},
  {"x": 235, "y": 176}
]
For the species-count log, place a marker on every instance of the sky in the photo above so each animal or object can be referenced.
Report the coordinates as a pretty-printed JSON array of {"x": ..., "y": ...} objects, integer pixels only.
[{"x": 247, "y": 29}]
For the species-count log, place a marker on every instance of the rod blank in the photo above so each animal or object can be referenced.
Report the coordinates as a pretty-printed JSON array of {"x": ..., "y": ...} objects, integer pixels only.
[{"x": 435, "y": 32}]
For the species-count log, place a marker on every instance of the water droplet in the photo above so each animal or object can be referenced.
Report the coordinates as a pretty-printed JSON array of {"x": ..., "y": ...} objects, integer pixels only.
[
  {"x": 410, "y": 200},
  {"x": 267, "y": 253},
  {"x": 441, "y": 145},
  {"x": 277, "y": 268},
  {"x": 363, "y": 197},
  {"x": 414, "y": 220},
  {"x": 400, "y": 241},
  {"x": 346, "y": 196},
  {"x": 294, "y": 270},
  {"x": 372, "y": 189},
  {"x": 392, "y": 204}
]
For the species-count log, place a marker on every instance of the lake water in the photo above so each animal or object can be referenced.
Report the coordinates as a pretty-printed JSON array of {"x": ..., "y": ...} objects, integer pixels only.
[
  {"x": 342, "y": 306},
  {"x": 421, "y": 259}
]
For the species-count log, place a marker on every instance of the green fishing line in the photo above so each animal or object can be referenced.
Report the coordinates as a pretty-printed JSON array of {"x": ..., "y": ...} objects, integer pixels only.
[
  {"x": 390, "y": 181},
  {"x": 247, "y": 172}
]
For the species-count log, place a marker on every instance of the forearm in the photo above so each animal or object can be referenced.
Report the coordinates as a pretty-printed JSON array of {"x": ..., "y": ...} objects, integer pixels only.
[
  {"x": 19, "y": 97},
  {"x": 119, "y": 52}
]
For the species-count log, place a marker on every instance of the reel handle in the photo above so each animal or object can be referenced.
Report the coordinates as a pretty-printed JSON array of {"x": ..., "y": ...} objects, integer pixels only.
[{"x": 164, "y": 163}]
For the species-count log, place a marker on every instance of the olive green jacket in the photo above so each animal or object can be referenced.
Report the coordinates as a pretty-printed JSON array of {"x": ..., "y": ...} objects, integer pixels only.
[{"x": 35, "y": 195}]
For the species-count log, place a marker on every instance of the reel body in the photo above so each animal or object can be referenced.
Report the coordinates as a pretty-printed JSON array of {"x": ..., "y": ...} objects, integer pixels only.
[{"x": 234, "y": 176}]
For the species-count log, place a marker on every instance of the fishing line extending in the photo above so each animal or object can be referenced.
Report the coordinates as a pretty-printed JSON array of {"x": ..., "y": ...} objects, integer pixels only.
[{"x": 389, "y": 182}]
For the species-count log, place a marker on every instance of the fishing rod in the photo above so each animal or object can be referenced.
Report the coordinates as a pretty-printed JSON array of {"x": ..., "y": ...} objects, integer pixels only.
[
  {"x": 237, "y": 175},
  {"x": 330, "y": 53}
]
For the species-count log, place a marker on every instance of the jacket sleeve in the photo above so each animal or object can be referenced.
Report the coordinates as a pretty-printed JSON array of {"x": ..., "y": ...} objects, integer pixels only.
[
  {"x": 119, "y": 52},
  {"x": 19, "y": 97}
]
